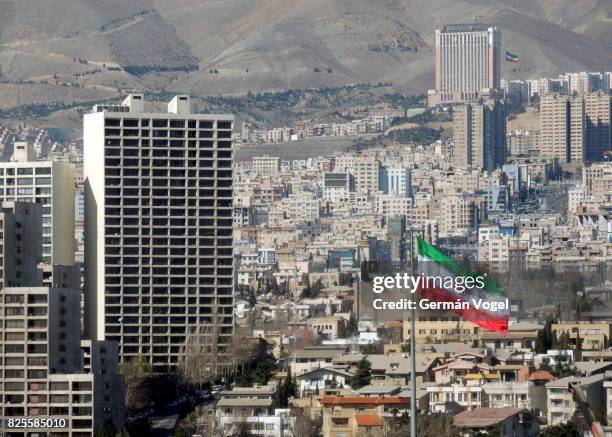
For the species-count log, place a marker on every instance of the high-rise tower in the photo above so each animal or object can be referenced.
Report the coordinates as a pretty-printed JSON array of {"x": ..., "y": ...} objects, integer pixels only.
[{"x": 158, "y": 228}]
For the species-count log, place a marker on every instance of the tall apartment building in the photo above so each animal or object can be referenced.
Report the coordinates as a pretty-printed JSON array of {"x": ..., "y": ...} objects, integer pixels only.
[
  {"x": 51, "y": 184},
  {"x": 158, "y": 229},
  {"x": 555, "y": 127},
  {"x": 20, "y": 244},
  {"x": 577, "y": 147},
  {"x": 43, "y": 376},
  {"x": 575, "y": 129},
  {"x": 366, "y": 173},
  {"x": 479, "y": 135},
  {"x": 467, "y": 62},
  {"x": 598, "y": 136}
]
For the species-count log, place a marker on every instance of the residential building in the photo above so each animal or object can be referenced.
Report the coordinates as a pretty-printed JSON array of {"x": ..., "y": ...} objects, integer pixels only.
[
  {"x": 555, "y": 127},
  {"x": 355, "y": 416},
  {"x": 396, "y": 181},
  {"x": 313, "y": 357},
  {"x": 43, "y": 375},
  {"x": 366, "y": 173},
  {"x": 158, "y": 227},
  {"x": 255, "y": 407},
  {"x": 479, "y": 135},
  {"x": 20, "y": 244},
  {"x": 598, "y": 114},
  {"x": 50, "y": 184},
  {"x": 266, "y": 165},
  {"x": 561, "y": 405},
  {"x": 518, "y": 422},
  {"x": 337, "y": 186}
]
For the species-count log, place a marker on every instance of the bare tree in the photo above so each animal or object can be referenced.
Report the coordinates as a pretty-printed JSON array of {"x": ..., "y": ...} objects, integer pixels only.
[
  {"x": 198, "y": 362},
  {"x": 137, "y": 373},
  {"x": 302, "y": 425}
]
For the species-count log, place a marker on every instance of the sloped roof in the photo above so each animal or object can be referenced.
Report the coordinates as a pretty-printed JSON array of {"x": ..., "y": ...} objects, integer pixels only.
[
  {"x": 540, "y": 375},
  {"x": 484, "y": 417},
  {"x": 364, "y": 400},
  {"x": 369, "y": 420}
]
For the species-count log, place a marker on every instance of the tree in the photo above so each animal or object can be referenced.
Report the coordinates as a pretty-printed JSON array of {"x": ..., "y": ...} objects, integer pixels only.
[
  {"x": 199, "y": 361},
  {"x": 137, "y": 373},
  {"x": 241, "y": 429},
  {"x": 286, "y": 390},
  {"x": 544, "y": 340},
  {"x": 363, "y": 376},
  {"x": 108, "y": 430},
  {"x": 567, "y": 429},
  {"x": 563, "y": 341},
  {"x": 302, "y": 425},
  {"x": 439, "y": 425}
]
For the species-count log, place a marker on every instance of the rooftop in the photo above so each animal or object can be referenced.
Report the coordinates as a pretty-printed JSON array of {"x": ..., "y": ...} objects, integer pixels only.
[{"x": 485, "y": 417}]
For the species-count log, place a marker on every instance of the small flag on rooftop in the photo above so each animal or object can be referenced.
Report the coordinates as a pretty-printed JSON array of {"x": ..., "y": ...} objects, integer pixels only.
[{"x": 511, "y": 57}]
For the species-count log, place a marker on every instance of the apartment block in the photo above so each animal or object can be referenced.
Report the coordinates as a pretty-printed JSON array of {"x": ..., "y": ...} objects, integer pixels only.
[
  {"x": 597, "y": 180},
  {"x": 366, "y": 173},
  {"x": 575, "y": 129},
  {"x": 479, "y": 135},
  {"x": 40, "y": 351},
  {"x": 20, "y": 244},
  {"x": 158, "y": 227},
  {"x": 460, "y": 214},
  {"x": 266, "y": 165},
  {"x": 598, "y": 137},
  {"x": 337, "y": 186},
  {"x": 554, "y": 126},
  {"x": 50, "y": 184}
]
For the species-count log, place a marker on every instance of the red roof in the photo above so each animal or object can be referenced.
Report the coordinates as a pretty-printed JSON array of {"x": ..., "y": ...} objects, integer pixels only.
[
  {"x": 369, "y": 420},
  {"x": 540, "y": 375},
  {"x": 365, "y": 400}
]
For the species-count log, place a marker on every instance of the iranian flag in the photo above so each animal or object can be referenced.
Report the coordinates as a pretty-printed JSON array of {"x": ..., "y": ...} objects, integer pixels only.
[{"x": 484, "y": 303}]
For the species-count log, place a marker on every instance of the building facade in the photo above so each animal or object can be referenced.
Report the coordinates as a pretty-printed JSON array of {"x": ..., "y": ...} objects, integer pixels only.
[
  {"x": 479, "y": 135},
  {"x": 52, "y": 185},
  {"x": 158, "y": 228},
  {"x": 467, "y": 62}
]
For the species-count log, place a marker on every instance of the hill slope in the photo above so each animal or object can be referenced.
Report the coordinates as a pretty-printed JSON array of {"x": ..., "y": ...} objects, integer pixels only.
[{"x": 232, "y": 46}]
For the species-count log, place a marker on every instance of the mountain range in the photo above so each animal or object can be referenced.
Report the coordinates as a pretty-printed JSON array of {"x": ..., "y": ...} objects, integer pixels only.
[{"x": 82, "y": 50}]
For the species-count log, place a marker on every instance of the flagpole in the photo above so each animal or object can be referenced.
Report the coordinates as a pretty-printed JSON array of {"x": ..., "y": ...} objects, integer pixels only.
[{"x": 413, "y": 391}]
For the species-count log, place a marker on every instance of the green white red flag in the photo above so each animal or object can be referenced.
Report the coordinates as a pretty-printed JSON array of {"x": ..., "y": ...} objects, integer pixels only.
[{"x": 487, "y": 306}]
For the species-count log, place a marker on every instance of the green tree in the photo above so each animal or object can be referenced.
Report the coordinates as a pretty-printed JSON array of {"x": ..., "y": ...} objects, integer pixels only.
[
  {"x": 363, "y": 376},
  {"x": 138, "y": 374},
  {"x": 544, "y": 341},
  {"x": 108, "y": 430},
  {"x": 563, "y": 341},
  {"x": 567, "y": 429},
  {"x": 286, "y": 390}
]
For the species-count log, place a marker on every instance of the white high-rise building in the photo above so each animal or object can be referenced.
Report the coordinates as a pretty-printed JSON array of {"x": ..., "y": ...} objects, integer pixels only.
[
  {"x": 467, "y": 62},
  {"x": 51, "y": 184},
  {"x": 158, "y": 228}
]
